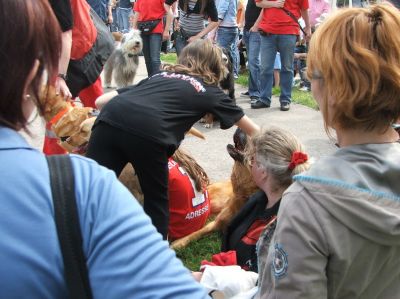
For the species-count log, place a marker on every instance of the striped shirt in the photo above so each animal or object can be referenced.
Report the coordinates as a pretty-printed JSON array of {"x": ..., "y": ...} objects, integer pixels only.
[{"x": 189, "y": 21}]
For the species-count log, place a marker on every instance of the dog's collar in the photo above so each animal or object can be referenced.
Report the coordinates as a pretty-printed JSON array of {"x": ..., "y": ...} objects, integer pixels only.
[{"x": 130, "y": 55}]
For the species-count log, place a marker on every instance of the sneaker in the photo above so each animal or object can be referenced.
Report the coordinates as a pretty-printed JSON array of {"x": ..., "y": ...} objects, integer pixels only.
[
  {"x": 235, "y": 76},
  {"x": 253, "y": 99},
  {"x": 259, "y": 105},
  {"x": 245, "y": 94},
  {"x": 304, "y": 88},
  {"x": 285, "y": 107}
]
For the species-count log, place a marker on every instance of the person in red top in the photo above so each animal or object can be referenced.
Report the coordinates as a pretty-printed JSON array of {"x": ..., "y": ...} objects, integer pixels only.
[
  {"x": 78, "y": 37},
  {"x": 152, "y": 10},
  {"x": 189, "y": 203},
  {"x": 279, "y": 30}
]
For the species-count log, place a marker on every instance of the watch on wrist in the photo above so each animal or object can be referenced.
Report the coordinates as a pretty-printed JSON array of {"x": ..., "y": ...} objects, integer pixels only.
[{"x": 62, "y": 76}]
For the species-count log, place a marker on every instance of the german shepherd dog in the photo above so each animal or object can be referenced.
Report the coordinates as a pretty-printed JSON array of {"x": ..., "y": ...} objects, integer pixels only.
[{"x": 231, "y": 196}]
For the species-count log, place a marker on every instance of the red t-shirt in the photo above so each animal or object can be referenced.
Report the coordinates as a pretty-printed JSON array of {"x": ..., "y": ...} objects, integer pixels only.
[
  {"x": 277, "y": 21},
  {"x": 188, "y": 208},
  {"x": 84, "y": 32},
  {"x": 151, "y": 10}
]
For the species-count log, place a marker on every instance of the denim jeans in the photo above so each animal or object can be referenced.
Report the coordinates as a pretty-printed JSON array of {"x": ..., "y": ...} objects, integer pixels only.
[
  {"x": 285, "y": 44},
  {"x": 151, "y": 52},
  {"x": 180, "y": 43},
  {"x": 252, "y": 42},
  {"x": 123, "y": 19},
  {"x": 115, "y": 24},
  {"x": 228, "y": 39}
]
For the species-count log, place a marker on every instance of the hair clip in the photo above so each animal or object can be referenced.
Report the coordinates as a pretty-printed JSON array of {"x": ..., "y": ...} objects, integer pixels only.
[{"x": 297, "y": 158}]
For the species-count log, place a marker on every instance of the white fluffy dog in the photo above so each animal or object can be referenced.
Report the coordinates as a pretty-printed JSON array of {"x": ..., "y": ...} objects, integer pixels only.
[{"x": 123, "y": 62}]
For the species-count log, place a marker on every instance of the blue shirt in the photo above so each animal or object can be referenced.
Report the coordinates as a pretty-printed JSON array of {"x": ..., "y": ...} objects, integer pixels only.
[
  {"x": 126, "y": 257},
  {"x": 227, "y": 12}
]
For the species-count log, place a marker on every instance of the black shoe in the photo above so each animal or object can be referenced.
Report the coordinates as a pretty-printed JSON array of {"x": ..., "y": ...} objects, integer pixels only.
[
  {"x": 285, "y": 107},
  {"x": 259, "y": 105},
  {"x": 245, "y": 94},
  {"x": 253, "y": 100}
]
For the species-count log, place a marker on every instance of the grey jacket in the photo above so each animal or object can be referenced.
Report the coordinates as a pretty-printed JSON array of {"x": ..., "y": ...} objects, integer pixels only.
[{"x": 338, "y": 230}]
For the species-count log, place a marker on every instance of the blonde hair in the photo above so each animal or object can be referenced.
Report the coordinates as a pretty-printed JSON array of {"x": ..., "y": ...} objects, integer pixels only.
[
  {"x": 356, "y": 55},
  {"x": 200, "y": 58},
  {"x": 274, "y": 148}
]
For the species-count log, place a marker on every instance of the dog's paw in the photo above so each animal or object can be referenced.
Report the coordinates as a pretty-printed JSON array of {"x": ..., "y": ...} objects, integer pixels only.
[{"x": 179, "y": 244}]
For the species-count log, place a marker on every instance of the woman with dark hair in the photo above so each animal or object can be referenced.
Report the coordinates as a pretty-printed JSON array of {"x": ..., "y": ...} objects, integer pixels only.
[
  {"x": 192, "y": 17},
  {"x": 145, "y": 123},
  {"x": 124, "y": 255}
]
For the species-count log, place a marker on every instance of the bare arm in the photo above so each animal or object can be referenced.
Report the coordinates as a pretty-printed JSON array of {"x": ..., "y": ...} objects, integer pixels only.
[
  {"x": 105, "y": 98},
  {"x": 135, "y": 19},
  {"x": 168, "y": 21},
  {"x": 211, "y": 26},
  {"x": 254, "y": 28},
  {"x": 307, "y": 29},
  {"x": 270, "y": 4},
  {"x": 247, "y": 125},
  {"x": 61, "y": 85}
]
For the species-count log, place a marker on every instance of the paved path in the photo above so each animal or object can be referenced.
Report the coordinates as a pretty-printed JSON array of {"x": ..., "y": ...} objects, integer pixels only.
[{"x": 302, "y": 121}]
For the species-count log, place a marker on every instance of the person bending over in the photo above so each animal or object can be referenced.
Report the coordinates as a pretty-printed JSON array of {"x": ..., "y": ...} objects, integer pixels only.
[{"x": 145, "y": 123}]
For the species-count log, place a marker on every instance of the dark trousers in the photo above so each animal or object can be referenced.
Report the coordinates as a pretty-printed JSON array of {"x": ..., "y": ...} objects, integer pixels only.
[{"x": 114, "y": 148}]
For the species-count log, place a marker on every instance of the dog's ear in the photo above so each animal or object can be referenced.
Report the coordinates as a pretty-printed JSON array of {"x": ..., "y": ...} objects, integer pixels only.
[{"x": 235, "y": 153}]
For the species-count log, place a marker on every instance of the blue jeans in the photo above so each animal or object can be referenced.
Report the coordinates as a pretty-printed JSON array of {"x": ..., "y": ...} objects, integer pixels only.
[
  {"x": 115, "y": 24},
  {"x": 284, "y": 44},
  {"x": 123, "y": 19},
  {"x": 252, "y": 42},
  {"x": 180, "y": 43},
  {"x": 228, "y": 38},
  {"x": 151, "y": 52}
]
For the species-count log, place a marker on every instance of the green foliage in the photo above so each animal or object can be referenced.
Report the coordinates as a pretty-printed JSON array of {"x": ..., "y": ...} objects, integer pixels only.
[
  {"x": 300, "y": 97},
  {"x": 202, "y": 249},
  {"x": 169, "y": 58}
]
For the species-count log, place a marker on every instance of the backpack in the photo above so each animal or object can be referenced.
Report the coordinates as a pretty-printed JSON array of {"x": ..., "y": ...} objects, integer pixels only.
[{"x": 68, "y": 227}]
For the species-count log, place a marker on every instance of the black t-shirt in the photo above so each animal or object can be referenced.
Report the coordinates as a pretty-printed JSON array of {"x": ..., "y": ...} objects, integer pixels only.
[
  {"x": 243, "y": 231},
  {"x": 62, "y": 10},
  {"x": 251, "y": 14},
  {"x": 166, "y": 105}
]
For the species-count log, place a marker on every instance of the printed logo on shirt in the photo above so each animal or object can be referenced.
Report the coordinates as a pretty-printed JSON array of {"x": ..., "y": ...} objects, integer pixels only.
[
  {"x": 195, "y": 83},
  {"x": 279, "y": 262},
  {"x": 197, "y": 213}
]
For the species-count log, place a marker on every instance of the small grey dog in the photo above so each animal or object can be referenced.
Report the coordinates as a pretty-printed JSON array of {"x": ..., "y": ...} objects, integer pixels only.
[{"x": 123, "y": 62}]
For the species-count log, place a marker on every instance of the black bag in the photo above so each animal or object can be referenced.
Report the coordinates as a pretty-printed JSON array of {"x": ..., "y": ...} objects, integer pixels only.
[
  {"x": 68, "y": 228},
  {"x": 245, "y": 228},
  {"x": 85, "y": 71},
  {"x": 146, "y": 27}
]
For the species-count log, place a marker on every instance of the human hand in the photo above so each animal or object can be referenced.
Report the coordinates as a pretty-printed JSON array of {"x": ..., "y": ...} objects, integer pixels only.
[
  {"x": 62, "y": 88},
  {"x": 254, "y": 28},
  {"x": 279, "y": 3},
  {"x": 110, "y": 19},
  {"x": 308, "y": 33},
  {"x": 165, "y": 35},
  {"x": 193, "y": 38}
]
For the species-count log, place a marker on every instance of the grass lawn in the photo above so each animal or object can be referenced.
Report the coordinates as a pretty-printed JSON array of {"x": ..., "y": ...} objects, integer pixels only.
[{"x": 203, "y": 249}]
